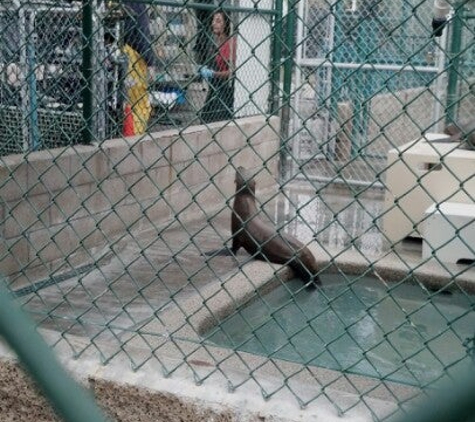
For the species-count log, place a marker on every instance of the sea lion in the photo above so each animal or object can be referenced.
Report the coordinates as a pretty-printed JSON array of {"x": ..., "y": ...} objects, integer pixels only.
[
  {"x": 463, "y": 130},
  {"x": 260, "y": 238}
]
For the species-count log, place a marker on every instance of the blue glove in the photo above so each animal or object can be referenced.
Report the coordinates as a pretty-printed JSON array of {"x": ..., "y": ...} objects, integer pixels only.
[{"x": 206, "y": 73}]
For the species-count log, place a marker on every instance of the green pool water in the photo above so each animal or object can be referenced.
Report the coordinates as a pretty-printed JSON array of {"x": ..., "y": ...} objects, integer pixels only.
[{"x": 402, "y": 333}]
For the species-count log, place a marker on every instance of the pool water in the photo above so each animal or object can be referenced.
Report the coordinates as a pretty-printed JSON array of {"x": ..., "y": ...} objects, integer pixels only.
[{"x": 399, "y": 332}]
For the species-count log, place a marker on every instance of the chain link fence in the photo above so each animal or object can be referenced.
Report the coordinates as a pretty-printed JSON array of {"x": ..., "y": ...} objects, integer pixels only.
[
  {"x": 370, "y": 77},
  {"x": 122, "y": 127},
  {"x": 68, "y": 73}
]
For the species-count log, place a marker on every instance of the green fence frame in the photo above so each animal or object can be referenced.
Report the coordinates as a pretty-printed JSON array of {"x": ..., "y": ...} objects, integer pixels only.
[
  {"x": 68, "y": 398},
  {"x": 319, "y": 119}
]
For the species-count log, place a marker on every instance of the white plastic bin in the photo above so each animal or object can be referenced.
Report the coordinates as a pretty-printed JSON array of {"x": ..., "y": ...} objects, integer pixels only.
[
  {"x": 449, "y": 232},
  {"x": 419, "y": 174}
]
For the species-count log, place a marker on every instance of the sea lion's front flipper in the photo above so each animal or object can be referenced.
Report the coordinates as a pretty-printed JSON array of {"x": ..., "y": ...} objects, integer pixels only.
[{"x": 219, "y": 252}]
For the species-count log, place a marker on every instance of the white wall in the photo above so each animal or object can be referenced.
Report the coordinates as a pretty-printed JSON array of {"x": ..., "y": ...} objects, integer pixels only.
[{"x": 253, "y": 56}]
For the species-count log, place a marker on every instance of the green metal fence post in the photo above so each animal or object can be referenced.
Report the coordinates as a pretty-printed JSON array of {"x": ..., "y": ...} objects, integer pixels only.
[
  {"x": 69, "y": 399},
  {"x": 449, "y": 404},
  {"x": 454, "y": 63},
  {"x": 288, "y": 67},
  {"x": 276, "y": 57},
  {"x": 35, "y": 136},
  {"x": 87, "y": 70}
]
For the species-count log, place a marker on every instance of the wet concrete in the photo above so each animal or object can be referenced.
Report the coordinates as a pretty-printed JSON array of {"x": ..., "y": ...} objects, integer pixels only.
[
  {"x": 335, "y": 217},
  {"x": 139, "y": 274},
  {"x": 143, "y": 272},
  {"x": 152, "y": 294}
]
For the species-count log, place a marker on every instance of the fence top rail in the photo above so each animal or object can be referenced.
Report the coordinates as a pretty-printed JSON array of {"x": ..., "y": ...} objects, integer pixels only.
[
  {"x": 363, "y": 66},
  {"x": 58, "y": 5}
]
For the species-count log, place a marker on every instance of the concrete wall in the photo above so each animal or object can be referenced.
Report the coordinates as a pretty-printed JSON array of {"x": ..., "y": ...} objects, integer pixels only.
[
  {"x": 396, "y": 118},
  {"x": 67, "y": 201},
  {"x": 253, "y": 59}
]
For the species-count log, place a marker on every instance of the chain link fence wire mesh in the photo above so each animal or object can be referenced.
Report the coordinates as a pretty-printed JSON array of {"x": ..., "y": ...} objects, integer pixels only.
[
  {"x": 114, "y": 186},
  {"x": 70, "y": 70},
  {"x": 67, "y": 397},
  {"x": 369, "y": 77}
]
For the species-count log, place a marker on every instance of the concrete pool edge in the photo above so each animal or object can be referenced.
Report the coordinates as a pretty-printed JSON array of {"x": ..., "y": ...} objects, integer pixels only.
[
  {"x": 212, "y": 304},
  {"x": 194, "y": 316},
  {"x": 219, "y": 300},
  {"x": 149, "y": 395},
  {"x": 177, "y": 361}
]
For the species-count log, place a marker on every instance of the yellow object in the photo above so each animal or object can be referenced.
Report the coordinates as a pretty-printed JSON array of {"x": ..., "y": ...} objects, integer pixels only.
[{"x": 137, "y": 89}]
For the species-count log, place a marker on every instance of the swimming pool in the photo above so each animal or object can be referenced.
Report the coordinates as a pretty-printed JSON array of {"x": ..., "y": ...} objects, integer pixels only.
[{"x": 398, "y": 332}]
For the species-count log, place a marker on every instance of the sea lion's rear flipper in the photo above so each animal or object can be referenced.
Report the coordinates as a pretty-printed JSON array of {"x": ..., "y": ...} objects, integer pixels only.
[
  {"x": 313, "y": 283},
  {"x": 219, "y": 252}
]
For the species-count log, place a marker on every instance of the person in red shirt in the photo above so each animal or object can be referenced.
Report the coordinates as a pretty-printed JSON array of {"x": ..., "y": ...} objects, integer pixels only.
[{"x": 218, "y": 71}]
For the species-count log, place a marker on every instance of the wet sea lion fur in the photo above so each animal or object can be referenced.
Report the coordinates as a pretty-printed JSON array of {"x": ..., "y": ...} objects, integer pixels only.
[{"x": 261, "y": 239}]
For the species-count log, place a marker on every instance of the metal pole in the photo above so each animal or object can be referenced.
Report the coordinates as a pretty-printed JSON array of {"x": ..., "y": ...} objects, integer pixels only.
[
  {"x": 288, "y": 66},
  {"x": 454, "y": 64},
  {"x": 439, "y": 83},
  {"x": 35, "y": 135},
  {"x": 453, "y": 403},
  {"x": 276, "y": 57},
  {"x": 88, "y": 70},
  {"x": 24, "y": 87},
  {"x": 69, "y": 399}
]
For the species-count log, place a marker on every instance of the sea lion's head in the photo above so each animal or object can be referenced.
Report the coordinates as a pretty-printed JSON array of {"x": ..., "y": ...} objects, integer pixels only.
[{"x": 244, "y": 181}]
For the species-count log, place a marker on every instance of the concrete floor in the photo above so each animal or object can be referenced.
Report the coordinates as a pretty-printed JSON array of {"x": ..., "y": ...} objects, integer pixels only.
[
  {"x": 155, "y": 283},
  {"x": 153, "y": 267}
]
